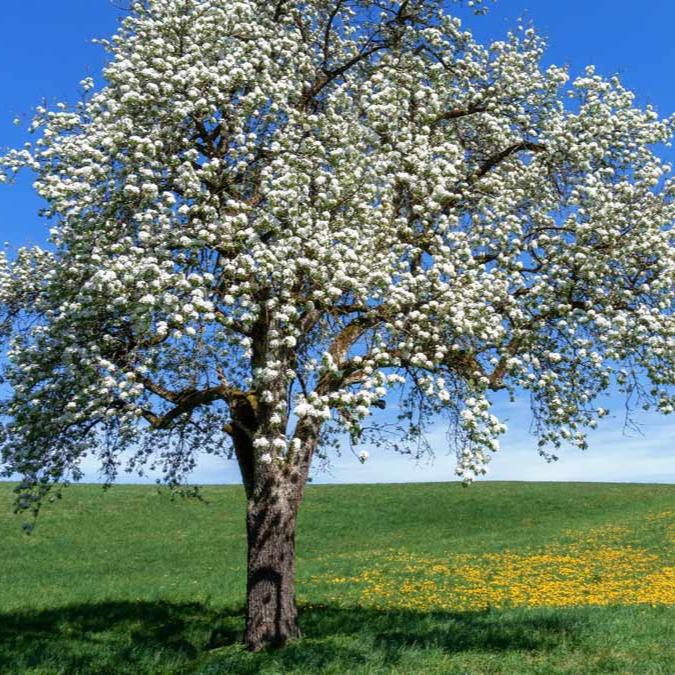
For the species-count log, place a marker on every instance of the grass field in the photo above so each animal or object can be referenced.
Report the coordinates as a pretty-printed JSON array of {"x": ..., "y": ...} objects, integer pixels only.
[{"x": 432, "y": 578}]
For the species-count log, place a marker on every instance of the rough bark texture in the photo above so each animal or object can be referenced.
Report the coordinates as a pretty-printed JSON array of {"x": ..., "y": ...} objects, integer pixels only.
[
  {"x": 271, "y": 615},
  {"x": 274, "y": 491}
]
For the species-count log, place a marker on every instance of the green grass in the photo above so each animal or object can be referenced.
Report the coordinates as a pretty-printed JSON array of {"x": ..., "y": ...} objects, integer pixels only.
[{"x": 131, "y": 581}]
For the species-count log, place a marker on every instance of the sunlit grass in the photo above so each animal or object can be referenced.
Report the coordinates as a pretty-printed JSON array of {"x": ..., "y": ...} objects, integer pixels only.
[
  {"x": 495, "y": 578},
  {"x": 601, "y": 566}
]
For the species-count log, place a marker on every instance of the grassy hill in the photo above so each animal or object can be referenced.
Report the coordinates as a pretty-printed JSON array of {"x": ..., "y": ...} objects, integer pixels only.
[{"x": 429, "y": 578}]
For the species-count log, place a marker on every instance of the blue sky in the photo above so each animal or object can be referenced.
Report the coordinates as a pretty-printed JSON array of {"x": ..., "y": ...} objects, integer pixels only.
[{"x": 46, "y": 49}]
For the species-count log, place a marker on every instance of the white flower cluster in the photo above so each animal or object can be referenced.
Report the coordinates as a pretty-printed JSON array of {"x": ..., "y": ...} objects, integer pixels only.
[{"x": 277, "y": 207}]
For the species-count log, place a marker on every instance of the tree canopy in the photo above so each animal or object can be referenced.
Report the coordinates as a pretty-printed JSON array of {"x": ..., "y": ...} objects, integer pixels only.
[{"x": 297, "y": 207}]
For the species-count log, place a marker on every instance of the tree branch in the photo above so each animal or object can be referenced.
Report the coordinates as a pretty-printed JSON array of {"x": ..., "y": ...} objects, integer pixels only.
[
  {"x": 340, "y": 346},
  {"x": 456, "y": 113},
  {"x": 186, "y": 401},
  {"x": 496, "y": 159},
  {"x": 327, "y": 32}
]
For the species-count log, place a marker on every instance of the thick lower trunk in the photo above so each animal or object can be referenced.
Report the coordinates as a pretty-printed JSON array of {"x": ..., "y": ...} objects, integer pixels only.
[
  {"x": 274, "y": 492},
  {"x": 271, "y": 615}
]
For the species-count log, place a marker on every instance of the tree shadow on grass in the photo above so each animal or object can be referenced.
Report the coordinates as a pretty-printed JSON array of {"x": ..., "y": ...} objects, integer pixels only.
[{"x": 161, "y": 637}]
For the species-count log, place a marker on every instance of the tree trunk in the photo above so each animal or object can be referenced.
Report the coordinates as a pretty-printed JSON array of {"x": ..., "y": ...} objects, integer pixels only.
[
  {"x": 271, "y": 614},
  {"x": 273, "y": 493}
]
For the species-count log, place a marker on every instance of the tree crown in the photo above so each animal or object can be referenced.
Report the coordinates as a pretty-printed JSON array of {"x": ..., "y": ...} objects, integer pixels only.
[{"x": 274, "y": 213}]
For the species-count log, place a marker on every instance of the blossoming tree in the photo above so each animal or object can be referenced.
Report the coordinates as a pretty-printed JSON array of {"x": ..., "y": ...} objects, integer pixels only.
[{"x": 275, "y": 213}]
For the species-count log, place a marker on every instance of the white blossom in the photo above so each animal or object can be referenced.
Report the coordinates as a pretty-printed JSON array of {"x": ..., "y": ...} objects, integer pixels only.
[{"x": 274, "y": 226}]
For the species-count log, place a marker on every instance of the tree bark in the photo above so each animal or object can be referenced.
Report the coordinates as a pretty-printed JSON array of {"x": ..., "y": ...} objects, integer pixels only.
[
  {"x": 274, "y": 491},
  {"x": 271, "y": 614}
]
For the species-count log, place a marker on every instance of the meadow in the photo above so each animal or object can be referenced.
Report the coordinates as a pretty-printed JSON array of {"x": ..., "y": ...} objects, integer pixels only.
[{"x": 418, "y": 578}]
